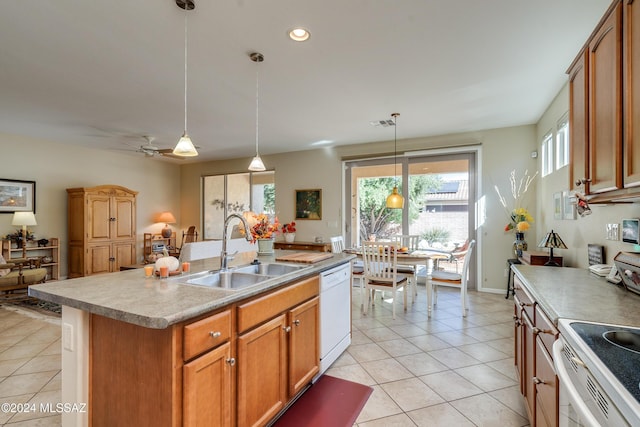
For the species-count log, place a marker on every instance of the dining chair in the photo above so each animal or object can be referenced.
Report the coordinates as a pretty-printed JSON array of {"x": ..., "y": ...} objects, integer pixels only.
[
  {"x": 357, "y": 270},
  {"x": 455, "y": 280},
  {"x": 410, "y": 242},
  {"x": 381, "y": 273}
]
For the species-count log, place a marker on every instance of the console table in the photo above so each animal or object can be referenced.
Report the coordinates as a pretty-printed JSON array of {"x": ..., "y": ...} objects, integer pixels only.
[
  {"x": 304, "y": 246},
  {"x": 538, "y": 258}
]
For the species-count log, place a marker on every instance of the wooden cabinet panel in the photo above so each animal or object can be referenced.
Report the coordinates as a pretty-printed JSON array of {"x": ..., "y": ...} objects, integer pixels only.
[
  {"x": 262, "y": 373},
  {"x": 605, "y": 104},
  {"x": 99, "y": 214},
  {"x": 578, "y": 118},
  {"x": 124, "y": 218},
  {"x": 304, "y": 345},
  {"x": 546, "y": 385},
  {"x": 545, "y": 329},
  {"x": 206, "y": 333},
  {"x": 99, "y": 257},
  {"x": 528, "y": 371},
  {"x": 631, "y": 75},
  {"x": 207, "y": 389}
]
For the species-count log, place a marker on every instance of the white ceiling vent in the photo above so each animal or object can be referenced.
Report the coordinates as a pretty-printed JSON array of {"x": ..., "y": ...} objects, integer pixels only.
[{"x": 383, "y": 123}]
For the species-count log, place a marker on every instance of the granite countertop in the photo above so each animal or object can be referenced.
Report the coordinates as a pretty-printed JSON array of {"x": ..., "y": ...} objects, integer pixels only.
[
  {"x": 575, "y": 293},
  {"x": 158, "y": 303}
]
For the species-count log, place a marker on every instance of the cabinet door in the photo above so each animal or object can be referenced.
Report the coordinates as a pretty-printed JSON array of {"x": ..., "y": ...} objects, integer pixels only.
[
  {"x": 631, "y": 73},
  {"x": 98, "y": 218},
  {"x": 262, "y": 372},
  {"x": 529, "y": 355},
  {"x": 98, "y": 259},
  {"x": 605, "y": 102},
  {"x": 304, "y": 345},
  {"x": 123, "y": 212},
  {"x": 518, "y": 343},
  {"x": 578, "y": 123},
  {"x": 546, "y": 385},
  {"x": 122, "y": 254},
  {"x": 207, "y": 396}
]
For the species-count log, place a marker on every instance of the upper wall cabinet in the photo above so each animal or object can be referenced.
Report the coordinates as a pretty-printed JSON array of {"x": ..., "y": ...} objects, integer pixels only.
[
  {"x": 631, "y": 72},
  {"x": 595, "y": 79}
]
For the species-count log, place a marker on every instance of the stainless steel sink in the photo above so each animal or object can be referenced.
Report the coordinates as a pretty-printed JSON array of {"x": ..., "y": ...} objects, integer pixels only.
[
  {"x": 233, "y": 280},
  {"x": 270, "y": 268}
]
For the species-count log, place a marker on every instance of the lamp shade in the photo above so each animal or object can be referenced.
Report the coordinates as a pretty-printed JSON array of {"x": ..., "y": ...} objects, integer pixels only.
[
  {"x": 257, "y": 165},
  {"x": 552, "y": 240},
  {"x": 395, "y": 200},
  {"x": 166, "y": 217},
  {"x": 24, "y": 218},
  {"x": 185, "y": 147}
]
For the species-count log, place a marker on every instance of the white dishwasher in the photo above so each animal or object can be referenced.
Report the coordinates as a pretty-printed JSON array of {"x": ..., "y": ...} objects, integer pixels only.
[{"x": 335, "y": 314}]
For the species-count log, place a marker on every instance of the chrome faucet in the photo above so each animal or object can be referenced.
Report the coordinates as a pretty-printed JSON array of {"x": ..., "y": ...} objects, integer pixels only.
[{"x": 224, "y": 256}]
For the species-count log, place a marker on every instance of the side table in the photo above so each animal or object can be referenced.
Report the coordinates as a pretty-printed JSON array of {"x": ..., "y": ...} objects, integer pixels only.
[{"x": 510, "y": 274}]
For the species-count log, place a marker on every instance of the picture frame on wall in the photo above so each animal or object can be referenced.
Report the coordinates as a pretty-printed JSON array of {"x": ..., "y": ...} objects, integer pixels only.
[
  {"x": 568, "y": 206},
  {"x": 17, "y": 196},
  {"x": 308, "y": 204},
  {"x": 557, "y": 205}
]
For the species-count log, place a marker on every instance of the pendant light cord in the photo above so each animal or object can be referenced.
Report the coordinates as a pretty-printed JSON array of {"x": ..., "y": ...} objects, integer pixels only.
[
  {"x": 257, "y": 105},
  {"x": 185, "y": 68}
]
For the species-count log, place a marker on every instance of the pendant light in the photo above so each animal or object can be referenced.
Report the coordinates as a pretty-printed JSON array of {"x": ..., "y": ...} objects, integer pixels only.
[
  {"x": 256, "y": 163},
  {"x": 185, "y": 147},
  {"x": 395, "y": 200}
]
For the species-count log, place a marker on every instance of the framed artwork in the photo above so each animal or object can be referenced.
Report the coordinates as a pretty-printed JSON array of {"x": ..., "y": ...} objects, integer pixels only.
[
  {"x": 17, "y": 196},
  {"x": 568, "y": 205},
  {"x": 557, "y": 205},
  {"x": 308, "y": 204}
]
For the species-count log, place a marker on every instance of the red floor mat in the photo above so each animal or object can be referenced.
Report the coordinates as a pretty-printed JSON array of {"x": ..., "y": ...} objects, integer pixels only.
[{"x": 330, "y": 402}]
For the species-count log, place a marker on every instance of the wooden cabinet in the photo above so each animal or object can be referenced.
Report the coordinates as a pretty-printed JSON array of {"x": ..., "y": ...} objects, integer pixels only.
[
  {"x": 535, "y": 335},
  {"x": 152, "y": 242},
  {"x": 631, "y": 81},
  {"x": 102, "y": 229},
  {"x": 579, "y": 123},
  {"x": 278, "y": 355},
  {"x": 538, "y": 258},
  {"x": 52, "y": 251}
]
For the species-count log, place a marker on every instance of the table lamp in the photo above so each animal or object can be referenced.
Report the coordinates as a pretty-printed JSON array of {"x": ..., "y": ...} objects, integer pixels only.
[
  {"x": 24, "y": 219},
  {"x": 552, "y": 240},
  {"x": 168, "y": 218}
]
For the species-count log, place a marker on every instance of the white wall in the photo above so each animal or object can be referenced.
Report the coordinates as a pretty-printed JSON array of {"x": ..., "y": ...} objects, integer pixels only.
[
  {"x": 576, "y": 234},
  {"x": 56, "y": 167}
]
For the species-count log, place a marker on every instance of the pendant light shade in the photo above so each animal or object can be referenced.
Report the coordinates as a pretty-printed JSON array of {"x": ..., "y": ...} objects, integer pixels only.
[
  {"x": 395, "y": 199},
  {"x": 256, "y": 163},
  {"x": 185, "y": 147}
]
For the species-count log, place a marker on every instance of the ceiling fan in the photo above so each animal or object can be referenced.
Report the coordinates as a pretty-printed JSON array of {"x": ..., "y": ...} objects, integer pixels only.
[{"x": 151, "y": 150}]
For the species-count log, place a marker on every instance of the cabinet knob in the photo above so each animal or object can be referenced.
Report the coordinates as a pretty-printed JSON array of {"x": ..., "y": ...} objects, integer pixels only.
[
  {"x": 215, "y": 334},
  {"x": 287, "y": 328},
  {"x": 296, "y": 322},
  {"x": 112, "y": 259},
  {"x": 231, "y": 361},
  {"x": 537, "y": 380}
]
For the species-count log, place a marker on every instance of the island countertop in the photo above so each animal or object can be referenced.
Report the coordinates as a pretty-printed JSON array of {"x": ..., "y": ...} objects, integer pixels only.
[
  {"x": 577, "y": 294},
  {"x": 158, "y": 303}
]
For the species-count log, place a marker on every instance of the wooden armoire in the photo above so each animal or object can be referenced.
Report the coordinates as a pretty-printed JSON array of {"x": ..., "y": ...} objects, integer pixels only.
[{"x": 102, "y": 229}]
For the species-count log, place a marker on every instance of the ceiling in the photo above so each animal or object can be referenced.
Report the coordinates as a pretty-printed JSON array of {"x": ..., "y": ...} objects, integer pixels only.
[{"x": 104, "y": 74}]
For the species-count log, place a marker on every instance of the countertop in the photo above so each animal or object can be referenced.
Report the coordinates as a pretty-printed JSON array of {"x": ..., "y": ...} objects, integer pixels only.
[
  {"x": 158, "y": 303},
  {"x": 575, "y": 293}
]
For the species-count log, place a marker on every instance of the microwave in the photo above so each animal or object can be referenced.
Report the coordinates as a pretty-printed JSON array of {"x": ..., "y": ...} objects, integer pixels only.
[{"x": 628, "y": 265}]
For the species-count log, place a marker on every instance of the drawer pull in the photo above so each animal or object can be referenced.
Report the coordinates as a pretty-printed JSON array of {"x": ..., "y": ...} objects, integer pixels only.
[
  {"x": 215, "y": 334},
  {"x": 537, "y": 331},
  {"x": 231, "y": 361},
  {"x": 537, "y": 380},
  {"x": 525, "y": 304},
  {"x": 296, "y": 322}
]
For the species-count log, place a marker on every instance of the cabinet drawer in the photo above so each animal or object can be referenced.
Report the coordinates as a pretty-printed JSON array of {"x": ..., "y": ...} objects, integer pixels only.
[
  {"x": 525, "y": 300},
  {"x": 264, "y": 308},
  {"x": 207, "y": 333},
  {"x": 545, "y": 329}
]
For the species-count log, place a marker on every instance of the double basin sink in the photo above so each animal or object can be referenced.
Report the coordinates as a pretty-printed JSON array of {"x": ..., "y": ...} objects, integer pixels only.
[{"x": 241, "y": 277}]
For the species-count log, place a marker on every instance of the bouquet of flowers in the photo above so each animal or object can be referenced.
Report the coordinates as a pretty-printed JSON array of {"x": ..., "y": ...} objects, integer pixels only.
[
  {"x": 289, "y": 227},
  {"x": 262, "y": 227},
  {"x": 520, "y": 218}
]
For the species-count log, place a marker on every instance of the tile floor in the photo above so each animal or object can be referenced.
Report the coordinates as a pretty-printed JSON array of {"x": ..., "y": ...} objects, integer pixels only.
[{"x": 443, "y": 371}]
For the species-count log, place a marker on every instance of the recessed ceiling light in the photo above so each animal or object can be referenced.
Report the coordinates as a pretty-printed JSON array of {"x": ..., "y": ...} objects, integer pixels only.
[{"x": 299, "y": 34}]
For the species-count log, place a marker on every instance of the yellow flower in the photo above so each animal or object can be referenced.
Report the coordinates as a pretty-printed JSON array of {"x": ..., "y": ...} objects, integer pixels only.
[{"x": 522, "y": 226}]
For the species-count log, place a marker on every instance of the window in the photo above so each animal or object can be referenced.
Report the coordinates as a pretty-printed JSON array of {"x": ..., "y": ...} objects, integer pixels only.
[
  {"x": 562, "y": 143},
  {"x": 547, "y": 154}
]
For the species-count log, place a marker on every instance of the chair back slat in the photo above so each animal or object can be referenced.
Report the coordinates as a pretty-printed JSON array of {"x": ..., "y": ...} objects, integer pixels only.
[
  {"x": 337, "y": 244},
  {"x": 406, "y": 240},
  {"x": 380, "y": 261}
]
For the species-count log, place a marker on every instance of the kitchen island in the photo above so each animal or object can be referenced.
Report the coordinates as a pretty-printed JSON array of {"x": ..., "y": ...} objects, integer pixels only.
[{"x": 148, "y": 351}]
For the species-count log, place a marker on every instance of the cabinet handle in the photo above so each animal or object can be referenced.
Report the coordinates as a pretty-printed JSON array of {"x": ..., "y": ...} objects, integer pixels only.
[
  {"x": 215, "y": 334},
  {"x": 537, "y": 331},
  {"x": 287, "y": 328},
  {"x": 537, "y": 380},
  {"x": 296, "y": 322},
  {"x": 525, "y": 304},
  {"x": 582, "y": 181},
  {"x": 112, "y": 259},
  {"x": 517, "y": 322},
  {"x": 231, "y": 361}
]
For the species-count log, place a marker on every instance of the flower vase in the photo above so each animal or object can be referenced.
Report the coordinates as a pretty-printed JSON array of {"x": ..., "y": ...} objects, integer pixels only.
[
  {"x": 289, "y": 237},
  {"x": 265, "y": 246},
  {"x": 519, "y": 245}
]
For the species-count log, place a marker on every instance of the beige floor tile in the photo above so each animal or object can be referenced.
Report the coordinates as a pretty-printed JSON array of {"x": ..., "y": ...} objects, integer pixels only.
[
  {"x": 5, "y": 416},
  {"x": 379, "y": 405},
  {"x": 512, "y": 398},
  {"x": 443, "y": 415},
  {"x": 53, "y": 348},
  {"x": 483, "y": 352},
  {"x": 505, "y": 345},
  {"x": 381, "y": 334},
  {"x": 428, "y": 342},
  {"x": 23, "y": 384},
  {"x": 43, "y": 405},
  {"x": 455, "y": 338},
  {"x": 400, "y": 420},
  {"x": 506, "y": 367},
  {"x": 386, "y": 370},
  {"x": 485, "y": 377},
  {"x": 55, "y": 383},
  {"x": 483, "y": 410},
  {"x": 483, "y": 333},
  {"x": 51, "y": 362},
  {"x": 355, "y": 373},
  {"x": 345, "y": 359},
  {"x": 450, "y": 385},
  {"x": 411, "y": 394},
  {"x": 453, "y": 358},
  {"x": 19, "y": 351},
  {"x": 8, "y": 367},
  {"x": 399, "y": 347},
  {"x": 421, "y": 364},
  {"x": 367, "y": 352}
]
